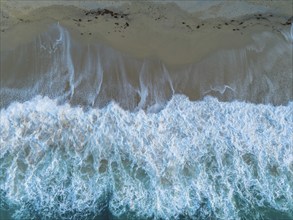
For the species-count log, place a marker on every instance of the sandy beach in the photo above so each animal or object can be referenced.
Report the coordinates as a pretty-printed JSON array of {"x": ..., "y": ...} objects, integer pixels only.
[
  {"x": 164, "y": 31},
  {"x": 204, "y": 48}
]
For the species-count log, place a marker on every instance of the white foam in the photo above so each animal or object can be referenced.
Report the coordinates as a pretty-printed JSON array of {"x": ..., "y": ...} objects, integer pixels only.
[{"x": 204, "y": 158}]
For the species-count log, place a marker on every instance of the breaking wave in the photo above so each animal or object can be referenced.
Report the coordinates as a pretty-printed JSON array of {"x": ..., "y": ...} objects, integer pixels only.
[{"x": 192, "y": 160}]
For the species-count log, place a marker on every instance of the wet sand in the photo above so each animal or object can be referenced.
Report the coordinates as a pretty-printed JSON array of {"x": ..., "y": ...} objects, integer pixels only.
[
  {"x": 238, "y": 50},
  {"x": 163, "y": 31}
]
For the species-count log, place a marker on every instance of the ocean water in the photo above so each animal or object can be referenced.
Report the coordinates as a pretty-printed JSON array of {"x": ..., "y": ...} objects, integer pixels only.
[
  {"x": 197, "y": 159},
  {"x": 83, "y": 136}
]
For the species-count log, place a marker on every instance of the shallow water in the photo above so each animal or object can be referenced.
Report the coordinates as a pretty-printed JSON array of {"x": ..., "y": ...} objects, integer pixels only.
[
  {"x": 93, "y": 133},
  {"x": 88, "y": 74}
]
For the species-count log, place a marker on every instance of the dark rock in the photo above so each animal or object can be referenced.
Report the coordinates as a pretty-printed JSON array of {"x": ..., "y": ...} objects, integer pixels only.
[{"x": 106, "y": 11}]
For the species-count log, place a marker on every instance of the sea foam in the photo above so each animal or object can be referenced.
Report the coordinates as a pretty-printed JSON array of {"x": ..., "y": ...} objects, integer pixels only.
[{"x": 194, "y": 159}]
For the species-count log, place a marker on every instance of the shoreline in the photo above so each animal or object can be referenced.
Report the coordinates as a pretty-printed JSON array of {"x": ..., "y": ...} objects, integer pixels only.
[
  {"x": 140, "y": 54},
  {"x": 162, "y": 31}
]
